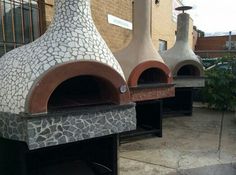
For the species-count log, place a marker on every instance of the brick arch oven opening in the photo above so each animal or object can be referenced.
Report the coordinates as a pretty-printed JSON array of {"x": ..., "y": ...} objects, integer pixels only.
[
  {"x": 152, "y": 76},
  {"x": 83, "y": 91},
  {"x": 188, "y": 70},
  {"x": 77, "y": 84},
  {"x": 150, "y": 72}
]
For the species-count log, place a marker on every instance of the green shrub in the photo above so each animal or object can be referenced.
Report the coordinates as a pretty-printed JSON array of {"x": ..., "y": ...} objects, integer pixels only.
[{"x": 220, "y": 88}]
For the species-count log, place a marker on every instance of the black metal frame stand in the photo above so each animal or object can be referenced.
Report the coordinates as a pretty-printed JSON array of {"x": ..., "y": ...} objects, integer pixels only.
[
  {"x": 149, "y": 120},
  {"x": 89, "y": 157},
  {"x": 181, "y": 104}
]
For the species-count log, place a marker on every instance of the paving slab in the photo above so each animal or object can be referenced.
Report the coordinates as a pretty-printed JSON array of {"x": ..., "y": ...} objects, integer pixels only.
[{"x": 132, "y": 167}]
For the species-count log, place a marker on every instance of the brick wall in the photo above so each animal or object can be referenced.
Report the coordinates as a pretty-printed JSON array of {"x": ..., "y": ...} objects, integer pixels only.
[
  {"x": 213, "y": 43},
  {"x": 163, "y": 26},
  {"x": 195, "y": 38},
  {"x": 116, "y": 37},
  {"x": 48, "y": 11},
  {"x": 213, "y": 46},
  {"x": 191, "y": 34}
]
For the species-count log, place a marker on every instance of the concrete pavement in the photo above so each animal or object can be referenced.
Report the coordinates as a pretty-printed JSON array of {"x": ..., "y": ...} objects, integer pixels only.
[{"x": 204, "y": 144}]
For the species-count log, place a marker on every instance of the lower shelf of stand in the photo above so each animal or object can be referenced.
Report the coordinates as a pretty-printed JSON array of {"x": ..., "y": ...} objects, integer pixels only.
[
  {"x": 140, "y": 131},
  {"x": 149, "y": 121},
  {"x": 180, "y": 105},
  {"x": 174, "y": 113}
]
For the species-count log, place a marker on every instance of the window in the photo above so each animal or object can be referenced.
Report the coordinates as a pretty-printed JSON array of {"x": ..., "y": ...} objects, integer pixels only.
[
  {"x": 162, "y": 45},
  {"x": 19, "y": 23}
]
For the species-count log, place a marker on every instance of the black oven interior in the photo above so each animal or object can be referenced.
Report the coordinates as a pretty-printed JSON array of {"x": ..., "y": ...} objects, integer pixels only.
[
  {"x": 82, "y": 91},
  {"x": 152, "y": 76}
]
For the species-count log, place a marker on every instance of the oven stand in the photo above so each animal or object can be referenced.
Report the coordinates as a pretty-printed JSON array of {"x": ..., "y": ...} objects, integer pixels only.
[
  {"x": 149, "y": 121},
  {"x": 96, "y": 156}
]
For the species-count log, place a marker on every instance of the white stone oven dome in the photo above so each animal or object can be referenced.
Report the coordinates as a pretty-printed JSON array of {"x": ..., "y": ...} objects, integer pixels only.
[{"x": 71, "y": 38}]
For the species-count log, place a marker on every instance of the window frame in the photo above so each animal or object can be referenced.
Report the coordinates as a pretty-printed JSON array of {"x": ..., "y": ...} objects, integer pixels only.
[{"x": 17, "y": 31}]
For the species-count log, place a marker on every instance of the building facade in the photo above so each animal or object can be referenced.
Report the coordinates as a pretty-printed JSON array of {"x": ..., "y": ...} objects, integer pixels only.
[
  {"x": 22, "y": 23},
  {"x": 216, "y": 46}
]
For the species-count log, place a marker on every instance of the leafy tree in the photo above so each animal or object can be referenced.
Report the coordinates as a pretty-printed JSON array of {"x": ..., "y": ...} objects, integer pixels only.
[{"x": 220, "y": 89}]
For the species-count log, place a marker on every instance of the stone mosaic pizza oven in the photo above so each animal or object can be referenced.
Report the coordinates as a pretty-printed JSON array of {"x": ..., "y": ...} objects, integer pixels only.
[
  {"x": 145, "y": 71},
  {"x": 64, "y": 87},
  {"x": 186, "y": 67}
]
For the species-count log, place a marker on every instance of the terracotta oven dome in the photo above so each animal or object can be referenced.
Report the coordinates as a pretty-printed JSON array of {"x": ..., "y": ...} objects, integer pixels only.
[
  {"x": 141, "y": 63},
  {"x": 64, "y": 87},
  {"x": 181, "y": 59}
]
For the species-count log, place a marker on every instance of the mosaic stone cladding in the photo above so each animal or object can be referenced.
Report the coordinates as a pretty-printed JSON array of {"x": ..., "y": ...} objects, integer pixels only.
[
  {"x": 72, "y": 36},
  {"x": 65, "y": 127}
]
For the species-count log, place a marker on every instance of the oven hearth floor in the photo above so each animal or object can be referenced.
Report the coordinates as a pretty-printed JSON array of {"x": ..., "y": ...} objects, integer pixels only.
[{"x": 190, "y": 146}]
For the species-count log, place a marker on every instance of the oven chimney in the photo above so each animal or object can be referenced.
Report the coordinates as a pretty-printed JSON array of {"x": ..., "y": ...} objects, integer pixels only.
[
  {"x": 142, "y": 21},
  {"x": 181, "y": 55},
  {"x": 141, "y": 49},
  {"x": 182, "y": 28},
  {"x": 186, "y": 68}
]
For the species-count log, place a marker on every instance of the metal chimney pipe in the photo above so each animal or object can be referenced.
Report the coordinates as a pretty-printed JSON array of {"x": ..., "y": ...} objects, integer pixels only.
[{"x": 230, "y": 40}]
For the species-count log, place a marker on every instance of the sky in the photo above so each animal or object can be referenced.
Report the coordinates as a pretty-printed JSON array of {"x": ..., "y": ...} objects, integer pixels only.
[{"x": 212, "y": 16}]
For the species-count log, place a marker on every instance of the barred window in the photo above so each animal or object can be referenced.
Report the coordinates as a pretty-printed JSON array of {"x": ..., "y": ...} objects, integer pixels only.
[{"x": 20, "y": 23}]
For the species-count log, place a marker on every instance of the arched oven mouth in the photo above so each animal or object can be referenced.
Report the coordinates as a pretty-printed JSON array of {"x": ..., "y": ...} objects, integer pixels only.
[
  {"x": 152, "y": 76},
  {"x": 150, "y": 73},
  {"x": 77, "y": 85},
  {"x": 150, "y": 80},
  {"x": 188, "y": 71},
  {"x": 82, "y": 91}
]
